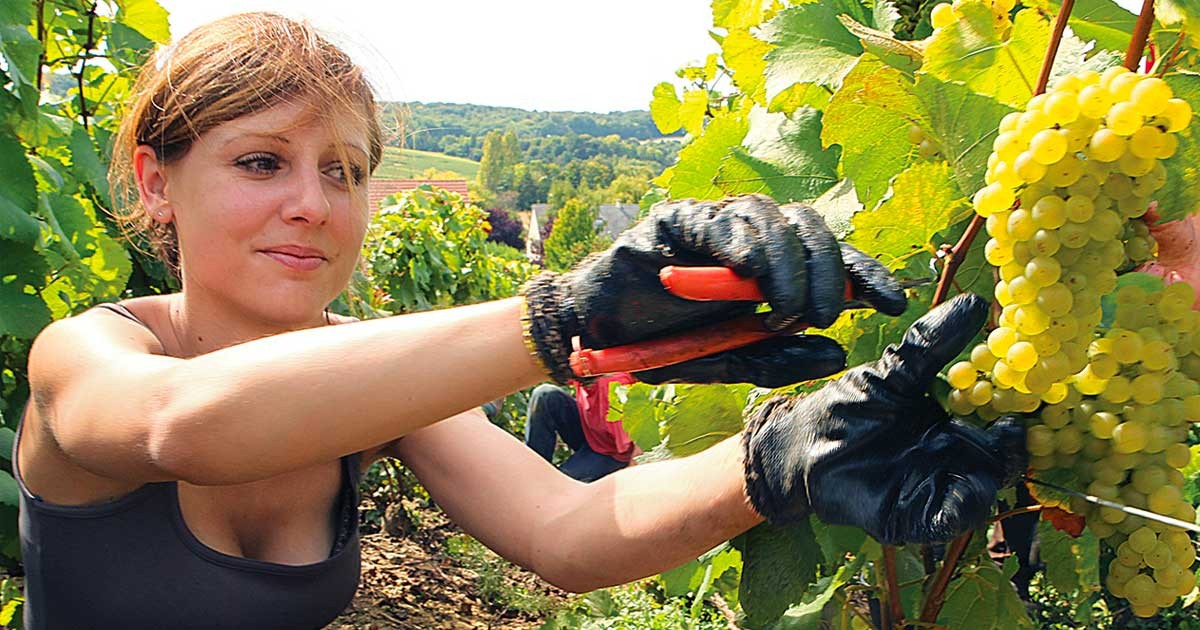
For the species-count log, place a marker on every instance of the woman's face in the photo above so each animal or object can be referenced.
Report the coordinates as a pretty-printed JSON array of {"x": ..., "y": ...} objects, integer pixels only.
[{"x": 265, "y": 215}]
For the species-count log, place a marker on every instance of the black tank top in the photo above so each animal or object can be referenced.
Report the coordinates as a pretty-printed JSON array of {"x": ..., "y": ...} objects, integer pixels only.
[{"x": 132, "y": 563}]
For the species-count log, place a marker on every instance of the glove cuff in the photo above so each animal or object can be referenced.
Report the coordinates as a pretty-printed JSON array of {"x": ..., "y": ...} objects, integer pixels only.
[
  {"x": 549, "y": 323},
  {"x": 779, "y": 505}
]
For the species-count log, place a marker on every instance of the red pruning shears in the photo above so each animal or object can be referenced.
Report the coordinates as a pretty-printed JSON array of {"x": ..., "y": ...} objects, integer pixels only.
[{"x": 703, "y": 284}]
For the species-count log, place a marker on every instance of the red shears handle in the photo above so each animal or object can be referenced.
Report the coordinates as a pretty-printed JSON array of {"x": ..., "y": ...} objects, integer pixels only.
[{"x": 693, "y": 283}]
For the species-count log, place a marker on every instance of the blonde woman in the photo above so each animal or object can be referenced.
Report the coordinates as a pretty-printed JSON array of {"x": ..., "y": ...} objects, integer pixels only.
[{"x": 190, "y": 460}]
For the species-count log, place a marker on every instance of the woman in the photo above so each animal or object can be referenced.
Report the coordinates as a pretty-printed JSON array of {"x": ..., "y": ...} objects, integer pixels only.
[{"x": 190, "y": 460}]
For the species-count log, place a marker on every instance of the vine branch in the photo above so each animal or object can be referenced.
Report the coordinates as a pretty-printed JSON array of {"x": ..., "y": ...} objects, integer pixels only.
[
  {"x": 894, "y": 614},
  {"x": 937, "y": 592},
  {"x": 1141, "y": 32},
  {"x": 87, "y": 49}
]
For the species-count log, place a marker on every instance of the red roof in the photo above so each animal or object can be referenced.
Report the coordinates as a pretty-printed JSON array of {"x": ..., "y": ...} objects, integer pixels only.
[{"x": 377, "y": 189}]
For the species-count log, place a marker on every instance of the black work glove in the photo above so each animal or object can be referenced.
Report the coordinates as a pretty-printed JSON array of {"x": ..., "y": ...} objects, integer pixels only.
[
  {"x": 875, "y": 450},
  {"x": 615, "y": 297}
]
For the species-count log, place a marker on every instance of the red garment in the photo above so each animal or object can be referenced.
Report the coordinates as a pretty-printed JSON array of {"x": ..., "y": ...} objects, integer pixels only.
[{"x": 606, "y": 438}]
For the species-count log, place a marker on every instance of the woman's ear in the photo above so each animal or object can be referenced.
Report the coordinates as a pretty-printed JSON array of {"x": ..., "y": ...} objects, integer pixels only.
[{"x": 151, "y": 179}]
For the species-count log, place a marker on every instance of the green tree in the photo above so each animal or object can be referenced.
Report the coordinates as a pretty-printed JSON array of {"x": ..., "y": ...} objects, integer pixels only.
[
  {"x": 501, "y": 154},
  {"x": 573, "y": 237}
]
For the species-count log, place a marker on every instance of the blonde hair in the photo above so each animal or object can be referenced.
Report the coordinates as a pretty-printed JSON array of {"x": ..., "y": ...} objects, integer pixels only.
[{"x": 229, "y": 68}]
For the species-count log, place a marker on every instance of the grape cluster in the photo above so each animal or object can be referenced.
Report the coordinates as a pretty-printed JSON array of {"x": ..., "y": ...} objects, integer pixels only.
[
  {"x": 927, "y": 147},
  {"x": 945, "y": 14},
  {"x": 1067, "y": 182}
]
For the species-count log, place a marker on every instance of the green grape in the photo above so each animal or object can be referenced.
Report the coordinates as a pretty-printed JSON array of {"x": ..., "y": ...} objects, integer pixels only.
[
  {"x": 1008, "y": 145},
  {"x": 1080, "y": 209},
  {"x": 1164, "y": 499},
  {"x": 1031, "y": 320},
  {"x": 980, "y": 393},
  {"x": 1106, "y": 146},
  {"x": 1122, "y": 86},
  {"x": 1043, "y": 271},
  {"x": 1073, "y": 235},
  {"x": 1027, "y": 168},
  {"x": 1068, "y": 440},
  {"x": 1065, "y": 172},
  {"x": 998, "y": 253},
  {"x": 1048, "y": 146},
  {"x": 1147, "y": 389},
  {"x": 982, "y": 358},
  {"x": 1105, "y": 225},
  {"x": 1104, "y": 365},
  {"x": 1178, "y": 113},
  {"x": 1021, "y": 225},
  {"x": 1119, "y": 390},
  {"x": 1169, "y": 147},
  {"x": 928, "y": 150},
  {"x": 1157, "y": 355},
  {"x": 1045, "y": 243},
  {"x": 1159, "y": 557},
  {"x": 1021, "y": 356},
  {"x": 1146, "y": 479},
  {"x": 1022, "y": 290},
  {"x": 1063, "y": 107},
  {"x": 1046, "y": 345},
  {"x": 1040, "y": 440},
  {"x": 993, "y": 198},
  {"x": 1150, "y": 96},
  {"x": 1134, "y": 166},
  {"x": 961, "y": 375},
  {"x": 1102, "y": 424},
  {"x": 1118, "y": 186},
  {"x": 915, "y": 134},
  {"x": 942, "y": 16},
  {"x": 1147, "y": 142},
  {"x": 1049, "y": 212},
  {"x": 1143, "y": 539},
  {"x": 1129, "y": 437},
  {"x": 1178, "y": 455},
  {"x": 1094, "y": 101},
  {"x": 1123, "y": 118}
]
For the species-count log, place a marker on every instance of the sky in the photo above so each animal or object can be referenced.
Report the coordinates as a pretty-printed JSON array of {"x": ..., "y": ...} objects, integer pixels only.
[{"x": 533, "y": 54}]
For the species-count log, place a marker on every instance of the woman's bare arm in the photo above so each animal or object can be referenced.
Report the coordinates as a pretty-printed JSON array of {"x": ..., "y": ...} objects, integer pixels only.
[
  {"x": 633, "y": 523},
  {"x": 271, "y": 405}
]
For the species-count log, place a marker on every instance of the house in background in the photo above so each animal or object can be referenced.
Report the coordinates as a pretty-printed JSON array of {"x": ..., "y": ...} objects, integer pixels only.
[
  {"x": 379, "y": 189},
  {"x": 616, "y": 217}
]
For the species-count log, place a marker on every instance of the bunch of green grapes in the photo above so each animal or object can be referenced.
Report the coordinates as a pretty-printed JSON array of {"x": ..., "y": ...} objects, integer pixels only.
[
  {"x": 944, "y": 15},
  {"x": 1066, "y": 182},
  {"x": 927, "y": 147}
]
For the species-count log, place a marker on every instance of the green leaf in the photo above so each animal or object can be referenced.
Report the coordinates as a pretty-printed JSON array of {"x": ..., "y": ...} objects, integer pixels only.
[
  {"x": 778, "y": 564},
  {"x": 982, "y": 598},
  {"x": 924, "y": 203},
  {"x": 737, "y": 14},
  {"x": 1108, "y": 302},
  {"x": 692, "y": 111},
  {"x": 869, "y": 118},
  {"x": 22, "y": 312},
  {"x": 783, "y": 157},
  {"x": 807, "y": 616},
  {"x": 18, "y": 47},
  {"x": 896, "y": 53},
  {"x": 10, "y": 494},
  {"x": 971, "y": 51},
  {"x": 1180, "y": 196},
  {"x": 1072, "y": 564},
  {"x": 634, "y": 407},
  {"x": 811, "y": 45},
  {"x": 86, "y": 162},
  {"x": 745, "y": 56},
  {"x": 800, "y": 95},
  {"x": 964, "y": 124},
  {"x": 1102, "y": 21},
  {"x": 7, "y": 437},
  {"x": 837, "y": 206},
  {"x": 18, "y": 193},
  {"x": 702, "y": 416},
  {"x": 664, "y": 108},
  {"x": 885, "y": 15},
  {"x": 694, "y": 175},
  {"x": 146, "y": 17}
]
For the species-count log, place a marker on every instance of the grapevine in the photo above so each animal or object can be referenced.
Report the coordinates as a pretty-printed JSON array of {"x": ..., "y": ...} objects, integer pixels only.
[{"x": 1067, "y": 179}]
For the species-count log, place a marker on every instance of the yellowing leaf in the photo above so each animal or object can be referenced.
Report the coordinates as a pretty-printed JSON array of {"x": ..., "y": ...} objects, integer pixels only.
[{"x": 923, "y": 202}]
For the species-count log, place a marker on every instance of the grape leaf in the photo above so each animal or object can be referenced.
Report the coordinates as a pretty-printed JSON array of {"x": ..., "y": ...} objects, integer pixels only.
[
  {"x": 635, "y": 408},
  {"x": 1180, "y": 196},
  {"x": 664, "y": 108},
  {"x": 18, "y": 47},
  {"x": 837, "y": 206},
  {"x": 869, "y": 118},
  {"x": 811, "y": 45},
  {"x": 146, "y": 17},
  {"x": 885, "y": 15},
  {"x": 702, "y": 415},
  {"x": 800, "y": 95},
  {"x": 778, "y": 564},
  {"x": 809, "y": 614},
  {"x": 18, "y": 193},
  {"x": 971, "y": 51},
  {"x": 1103, "y": 21},
  {"x": 982, "y": 598},
  {"x": 737, "y": 14},
  {"x": 22, "y": 311},
  {"x": 744, "y": 55},
  {"x": 782, "y": 157},
  {"x": 1072, "y": 564},
  {"x": 694, "y": 175},
  {"x": 963, "y": 124},
  {"x": 896, "y": 53},
  {"x": 923, "y": 203}
]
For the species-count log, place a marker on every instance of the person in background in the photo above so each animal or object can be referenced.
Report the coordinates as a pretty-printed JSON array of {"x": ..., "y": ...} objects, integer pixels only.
[{"x": 598, "y": 446}]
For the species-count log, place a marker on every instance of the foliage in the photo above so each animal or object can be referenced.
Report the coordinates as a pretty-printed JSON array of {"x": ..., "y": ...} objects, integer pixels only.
[
  {"x": 821, "y": 97},
  {"x": 493, "y": 582},
  {"x": 413, "y": 164},
  {"x": 641, "y": 606},
  {"x": 505, "y": 229},
  {"x": 427, "y": 248},
  {"x": 573, "y": 236},
  {"x": 60, "y": 251}
]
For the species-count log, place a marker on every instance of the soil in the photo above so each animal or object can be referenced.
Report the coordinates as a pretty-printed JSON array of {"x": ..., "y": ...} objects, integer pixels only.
[{"x": 410, "y": 581}]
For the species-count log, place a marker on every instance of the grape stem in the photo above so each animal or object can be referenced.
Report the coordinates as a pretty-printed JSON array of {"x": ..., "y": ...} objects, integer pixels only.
[
  {"x": 893, "y": 614},
  {"x": 954, "y": 551},
  {"x": 1141, "y": 32},
  {"x": 1017, "y": 512}
]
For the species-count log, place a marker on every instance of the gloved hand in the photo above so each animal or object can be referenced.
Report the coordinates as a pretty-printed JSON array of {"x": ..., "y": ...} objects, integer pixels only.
[
  {"x": 875, "y": 450},
  {"x": 615, "y": 297}
]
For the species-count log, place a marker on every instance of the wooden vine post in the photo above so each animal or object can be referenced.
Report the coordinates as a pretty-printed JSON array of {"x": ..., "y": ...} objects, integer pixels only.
[{"x": 936, "y": 595}]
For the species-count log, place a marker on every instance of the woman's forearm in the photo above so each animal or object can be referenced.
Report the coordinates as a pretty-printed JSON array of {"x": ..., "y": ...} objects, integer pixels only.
[
  {"x": 646, "y": 519},
  {"x": 250, "y": 411}
]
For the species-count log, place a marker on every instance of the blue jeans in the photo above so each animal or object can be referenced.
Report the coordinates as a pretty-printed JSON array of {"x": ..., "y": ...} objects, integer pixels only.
[{"x": 553, "y": 414}]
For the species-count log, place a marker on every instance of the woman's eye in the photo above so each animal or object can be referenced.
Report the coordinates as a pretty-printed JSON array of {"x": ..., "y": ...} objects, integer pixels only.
[
  {"x": 339, "y": 170},
  {"x": 259, "y": 163}
]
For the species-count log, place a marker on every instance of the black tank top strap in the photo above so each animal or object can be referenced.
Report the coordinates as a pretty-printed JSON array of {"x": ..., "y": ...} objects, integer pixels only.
[{"x": 121, "y": 310}]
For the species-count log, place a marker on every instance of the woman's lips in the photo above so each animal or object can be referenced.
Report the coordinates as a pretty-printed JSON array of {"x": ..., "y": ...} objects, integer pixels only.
[{"x": 297, "y": 262}]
